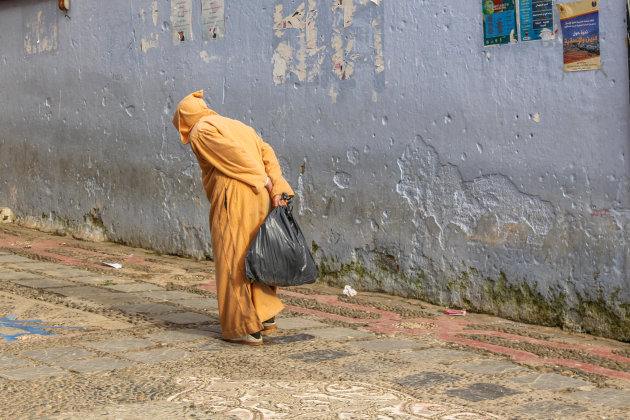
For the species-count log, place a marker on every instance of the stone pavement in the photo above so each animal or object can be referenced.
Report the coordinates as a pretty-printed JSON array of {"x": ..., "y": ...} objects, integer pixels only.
[{"x": 79, "y": 340}]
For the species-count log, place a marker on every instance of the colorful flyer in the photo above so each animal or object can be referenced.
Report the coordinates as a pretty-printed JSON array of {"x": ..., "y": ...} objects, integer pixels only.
[
  {"x": 580, "y": 35},
  {"x": 536, "y": 20},
  {"x": 181, "y": 19},
  {"x": 499, "y": 22},
  {"x": 213, "y": 19}
]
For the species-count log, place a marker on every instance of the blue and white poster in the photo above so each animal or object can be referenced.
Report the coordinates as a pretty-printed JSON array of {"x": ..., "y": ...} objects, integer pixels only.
[{"x": 536, "y": 20}]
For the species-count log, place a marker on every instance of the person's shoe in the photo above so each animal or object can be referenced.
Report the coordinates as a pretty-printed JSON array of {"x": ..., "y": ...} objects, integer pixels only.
[
  {"x": 269, "y": 326},
  {"x": 253, "y": 339}
]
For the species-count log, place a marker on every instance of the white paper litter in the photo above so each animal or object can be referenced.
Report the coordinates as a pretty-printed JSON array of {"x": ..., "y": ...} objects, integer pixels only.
[
  {"x": 113, "y": 265},
  {"x": 349, "y": 291}
]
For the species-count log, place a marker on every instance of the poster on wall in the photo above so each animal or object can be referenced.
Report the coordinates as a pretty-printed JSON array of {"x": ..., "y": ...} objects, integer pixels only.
[
  {"x": 499, "y": 22},
  {"x": 579, "y": 21},
  {"x": 536, "y": 20},
  {"x": 181, "y": 19},
  {"x": 213, "y": 19}
]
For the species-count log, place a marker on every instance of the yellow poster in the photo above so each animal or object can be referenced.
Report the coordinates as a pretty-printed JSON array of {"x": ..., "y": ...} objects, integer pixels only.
[{"x": 580, "y": 35}]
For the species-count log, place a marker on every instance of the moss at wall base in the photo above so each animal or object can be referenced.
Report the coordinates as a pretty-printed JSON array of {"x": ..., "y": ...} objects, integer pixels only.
[{"x": 512, "y": 298}]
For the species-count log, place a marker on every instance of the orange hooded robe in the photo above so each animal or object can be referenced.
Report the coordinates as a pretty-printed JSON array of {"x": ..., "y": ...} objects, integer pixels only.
[{"x": 235, "y": 163}]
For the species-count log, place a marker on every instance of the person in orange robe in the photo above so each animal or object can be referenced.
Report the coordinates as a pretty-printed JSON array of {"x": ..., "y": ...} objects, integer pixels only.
[{"x": 243, "y": 181}]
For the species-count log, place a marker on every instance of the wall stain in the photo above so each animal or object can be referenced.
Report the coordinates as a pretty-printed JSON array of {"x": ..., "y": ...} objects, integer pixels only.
[{"x": 436, "y": 190}]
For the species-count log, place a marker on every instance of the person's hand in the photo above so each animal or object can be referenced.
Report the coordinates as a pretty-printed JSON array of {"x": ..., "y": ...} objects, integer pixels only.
[
  {"x": 269, "y": 185},
  {"x": 278, "y": 201}
]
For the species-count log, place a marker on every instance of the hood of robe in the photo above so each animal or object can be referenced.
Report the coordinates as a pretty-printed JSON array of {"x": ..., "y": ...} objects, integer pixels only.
[{"x": 190, "y": 110}]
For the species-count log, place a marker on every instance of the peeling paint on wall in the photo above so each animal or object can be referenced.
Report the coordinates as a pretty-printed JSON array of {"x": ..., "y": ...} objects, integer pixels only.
[
  {"x": 40, "y": 33},
  {"x": 437, "y": 191},
  {"x": 333, "y": 94},
  {"x": 154, "y": 12},
  {"x": 379, "y": 61},
  {"x": 204, "y": 56},
  {"x": 149, "y": 42}
]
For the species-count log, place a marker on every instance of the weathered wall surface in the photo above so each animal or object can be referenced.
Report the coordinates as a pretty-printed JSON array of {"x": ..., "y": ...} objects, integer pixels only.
[{"x": 424, "y": 164}]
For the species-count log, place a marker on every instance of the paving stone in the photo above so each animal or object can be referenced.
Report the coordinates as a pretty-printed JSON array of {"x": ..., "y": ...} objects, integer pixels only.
[
  {"x": 550, "y": 381},
  {"x": 119, "y": 345},
  {"x": 605, "y": 396},
  {"x": 481, "y": 391},
  {"x": 170, "y": 295},
  {"x": 57, "y": 354},
  {"x": 387, "y": 344},
  {"x": 110, "y": 298},
  {"x": 214, "y": 345},
  {"x": 338, "y": 333},
  {"x": 183, "y": 318},
  {"x": 144, "y": 410},
  {"x": 13, "y": 259},
  {"x": 180, "y": 336},
  {"x": 426, "y": 379},
  {"x": 550, "y": 410},
  {"x": 204, "y": 303},
  {"x": 101, "y": 280},
  {"x": 319, "y": 355},
  {"x": 79, "y": 291},
  {"x": 490, "y": 367},
  {"x": 436, "y": 355},
  {"x": 38, "y": 265},
  {"x": 286, "y": 339},
  {"x": 298, "y": 323},
  {"x": 215, "y": 329},
  {"x": 148, "y": 308},
  {"x": 8, "y": 361},
  {"x": 36, "y": 372},
  {"x": 19, "y": 275},
  {"x": 43, "y": 283},
  {"x": 157, "y": 355},
  {"x": 371, "y": 368},
  {"x": 135, "y": 287},
  {"x": 66, "y": 272},
  {"x": 95, "y": 365}
]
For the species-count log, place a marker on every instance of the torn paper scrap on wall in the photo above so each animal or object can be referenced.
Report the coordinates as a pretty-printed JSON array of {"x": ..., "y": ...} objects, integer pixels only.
[
  {"x": 181, "y": 19},
  {"x": 343, "y": 59},
  {"x": 213, "y": 19},
  {"x": 297, "y": 49},
  {"x": 40, "y": 32},
  {"x": 348, "y": 10},
  {"x": 298, "y": 53}
]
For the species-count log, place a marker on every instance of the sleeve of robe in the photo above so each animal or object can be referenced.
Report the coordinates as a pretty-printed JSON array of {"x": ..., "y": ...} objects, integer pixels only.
[
  {"x": 230, "y": 157},
  {"x": 272, "y": 167}
]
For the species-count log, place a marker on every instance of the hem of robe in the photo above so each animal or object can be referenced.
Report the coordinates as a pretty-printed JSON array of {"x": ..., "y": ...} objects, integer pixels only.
[{"x": 254, "y": 326}]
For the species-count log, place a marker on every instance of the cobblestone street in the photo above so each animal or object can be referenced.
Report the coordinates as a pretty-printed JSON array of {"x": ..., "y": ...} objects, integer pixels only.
[{"x": 80, "y": 339}]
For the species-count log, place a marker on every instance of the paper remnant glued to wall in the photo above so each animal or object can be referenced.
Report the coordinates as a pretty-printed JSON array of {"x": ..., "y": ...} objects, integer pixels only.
[
  {"x": 181, "y": 19},
  {"x": 213, "y": 19}
]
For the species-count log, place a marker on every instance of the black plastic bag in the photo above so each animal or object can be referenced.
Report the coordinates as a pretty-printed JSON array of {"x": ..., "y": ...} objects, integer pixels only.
[{"x": 279, "y": 256}]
